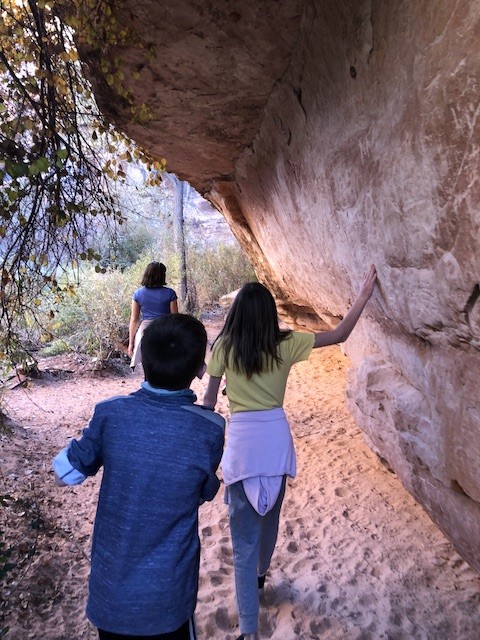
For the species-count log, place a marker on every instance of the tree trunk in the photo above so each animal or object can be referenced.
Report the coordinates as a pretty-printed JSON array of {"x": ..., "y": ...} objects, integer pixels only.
[
  {"x": 187, "y": 297},
  {"x": 179, "y": 238}
]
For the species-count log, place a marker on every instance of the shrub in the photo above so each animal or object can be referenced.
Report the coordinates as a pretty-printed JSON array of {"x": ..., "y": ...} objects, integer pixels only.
[
  {"x": 56, "y": 347},
  {"x": 215, "y": 271},
  {"x": 95, "y": 319}
]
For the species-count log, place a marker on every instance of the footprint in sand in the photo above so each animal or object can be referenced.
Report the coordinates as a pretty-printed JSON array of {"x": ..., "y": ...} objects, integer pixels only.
[
  {"x": 265, "y": 626},
  {"x": 216, "y": 580},
  {"x": 222, "y": 620},
  {"x": 227, "y": 555},
  {"x": 292, "y": 525},
  {"x": 300, "y": 565},
  {"x": 208, "y": 539}
]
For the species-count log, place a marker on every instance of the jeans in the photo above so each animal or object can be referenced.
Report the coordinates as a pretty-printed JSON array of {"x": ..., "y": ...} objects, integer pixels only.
[
  {"x": 185, "y": 632},
  {"x": 253, "y": 540}
]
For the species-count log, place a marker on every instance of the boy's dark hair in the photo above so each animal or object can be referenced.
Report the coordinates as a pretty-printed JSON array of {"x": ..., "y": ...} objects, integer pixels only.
[
  {"x": 173, "y": 351},
  {"x": 251, "y": 333},
  {"x": 154, "y": 275}
]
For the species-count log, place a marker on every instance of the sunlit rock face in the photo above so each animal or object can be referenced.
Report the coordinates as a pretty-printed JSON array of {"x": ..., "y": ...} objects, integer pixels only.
[{"x": 333, "y": 135}]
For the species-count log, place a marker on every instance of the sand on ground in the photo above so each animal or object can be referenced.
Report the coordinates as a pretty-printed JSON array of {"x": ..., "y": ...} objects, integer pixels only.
[{"x": 357, "y": 558}]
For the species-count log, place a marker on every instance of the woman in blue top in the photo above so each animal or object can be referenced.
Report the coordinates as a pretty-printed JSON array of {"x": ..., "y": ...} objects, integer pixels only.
[{"x": 152, "y": 300}]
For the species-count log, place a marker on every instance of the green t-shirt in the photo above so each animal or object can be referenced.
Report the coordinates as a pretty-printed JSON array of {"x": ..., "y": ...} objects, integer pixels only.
[{"x": 265, "y": 390}]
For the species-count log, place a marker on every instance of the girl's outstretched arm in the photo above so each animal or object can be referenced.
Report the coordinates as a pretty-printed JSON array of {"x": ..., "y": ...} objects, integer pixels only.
[
  {"x": 210, "y": 397},
  {"x": 344, "y": 329}
]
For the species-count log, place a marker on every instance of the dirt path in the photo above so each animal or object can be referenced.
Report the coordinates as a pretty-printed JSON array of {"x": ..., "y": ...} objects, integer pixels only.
[{"x": 357, "y": 558}]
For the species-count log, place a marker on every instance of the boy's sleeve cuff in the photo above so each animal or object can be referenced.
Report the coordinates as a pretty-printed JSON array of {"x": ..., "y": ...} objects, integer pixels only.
[{"x": 64, "y": 470}]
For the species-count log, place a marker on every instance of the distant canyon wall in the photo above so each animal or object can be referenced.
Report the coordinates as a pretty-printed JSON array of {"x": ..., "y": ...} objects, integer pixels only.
[{"x": 332, "y": 135}]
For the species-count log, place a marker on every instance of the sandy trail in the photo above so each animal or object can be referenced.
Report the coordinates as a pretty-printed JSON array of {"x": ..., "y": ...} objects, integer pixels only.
[{"x": 357, "y": 558}]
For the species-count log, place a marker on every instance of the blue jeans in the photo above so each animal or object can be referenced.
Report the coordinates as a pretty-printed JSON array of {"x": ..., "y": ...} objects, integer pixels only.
[
  {"x": 253, "y": 540},
  {"x": 185, "y": 632}
]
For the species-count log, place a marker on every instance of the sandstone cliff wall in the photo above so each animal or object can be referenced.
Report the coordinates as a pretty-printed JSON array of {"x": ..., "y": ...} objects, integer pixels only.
[{"x": 360, "y": 144}]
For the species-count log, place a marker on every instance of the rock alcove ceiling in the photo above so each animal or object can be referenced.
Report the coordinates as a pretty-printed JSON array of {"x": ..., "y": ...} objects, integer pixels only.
[{"x": 332, "y": 135}]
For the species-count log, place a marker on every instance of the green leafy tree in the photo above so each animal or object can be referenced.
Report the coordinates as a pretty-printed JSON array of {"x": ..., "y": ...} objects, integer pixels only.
[{"x": 57, "y": 156}]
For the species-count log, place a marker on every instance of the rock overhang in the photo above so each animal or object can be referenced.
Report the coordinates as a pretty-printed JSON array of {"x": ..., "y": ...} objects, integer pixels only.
[{"x": 332, "y": 135}]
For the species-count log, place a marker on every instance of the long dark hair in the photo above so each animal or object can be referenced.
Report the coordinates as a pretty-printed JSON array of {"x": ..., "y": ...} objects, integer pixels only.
[
  {"x": 154, "y": 275},
  {"x": 251, "y": 333}
]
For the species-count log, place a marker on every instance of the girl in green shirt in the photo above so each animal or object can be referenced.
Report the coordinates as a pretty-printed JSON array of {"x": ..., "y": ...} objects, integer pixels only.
[{"x": 256, "y": 357}]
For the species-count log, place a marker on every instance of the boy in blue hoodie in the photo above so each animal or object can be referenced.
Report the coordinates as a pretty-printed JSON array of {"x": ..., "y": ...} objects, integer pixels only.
[{"x": 159, "y": 452}]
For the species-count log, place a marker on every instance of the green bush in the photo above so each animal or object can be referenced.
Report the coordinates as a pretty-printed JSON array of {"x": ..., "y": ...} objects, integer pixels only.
[
  {"x": 56, "y": 347},
  {"x": 95, "y": 319},
  {"x": 214, "y": 271}
]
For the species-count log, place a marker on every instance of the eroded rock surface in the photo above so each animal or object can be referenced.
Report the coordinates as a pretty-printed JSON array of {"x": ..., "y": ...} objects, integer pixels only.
[{"x": 333, "y": 135}]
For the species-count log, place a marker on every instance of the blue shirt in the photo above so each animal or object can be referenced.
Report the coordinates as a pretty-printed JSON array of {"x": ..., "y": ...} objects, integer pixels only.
[
  {"x": 159, "y": 453},
  {"x": 154, "y": 301}
]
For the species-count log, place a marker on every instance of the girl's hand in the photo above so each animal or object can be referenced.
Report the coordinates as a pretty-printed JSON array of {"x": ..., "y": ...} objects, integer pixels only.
[{"x": 369, "y": 282}]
